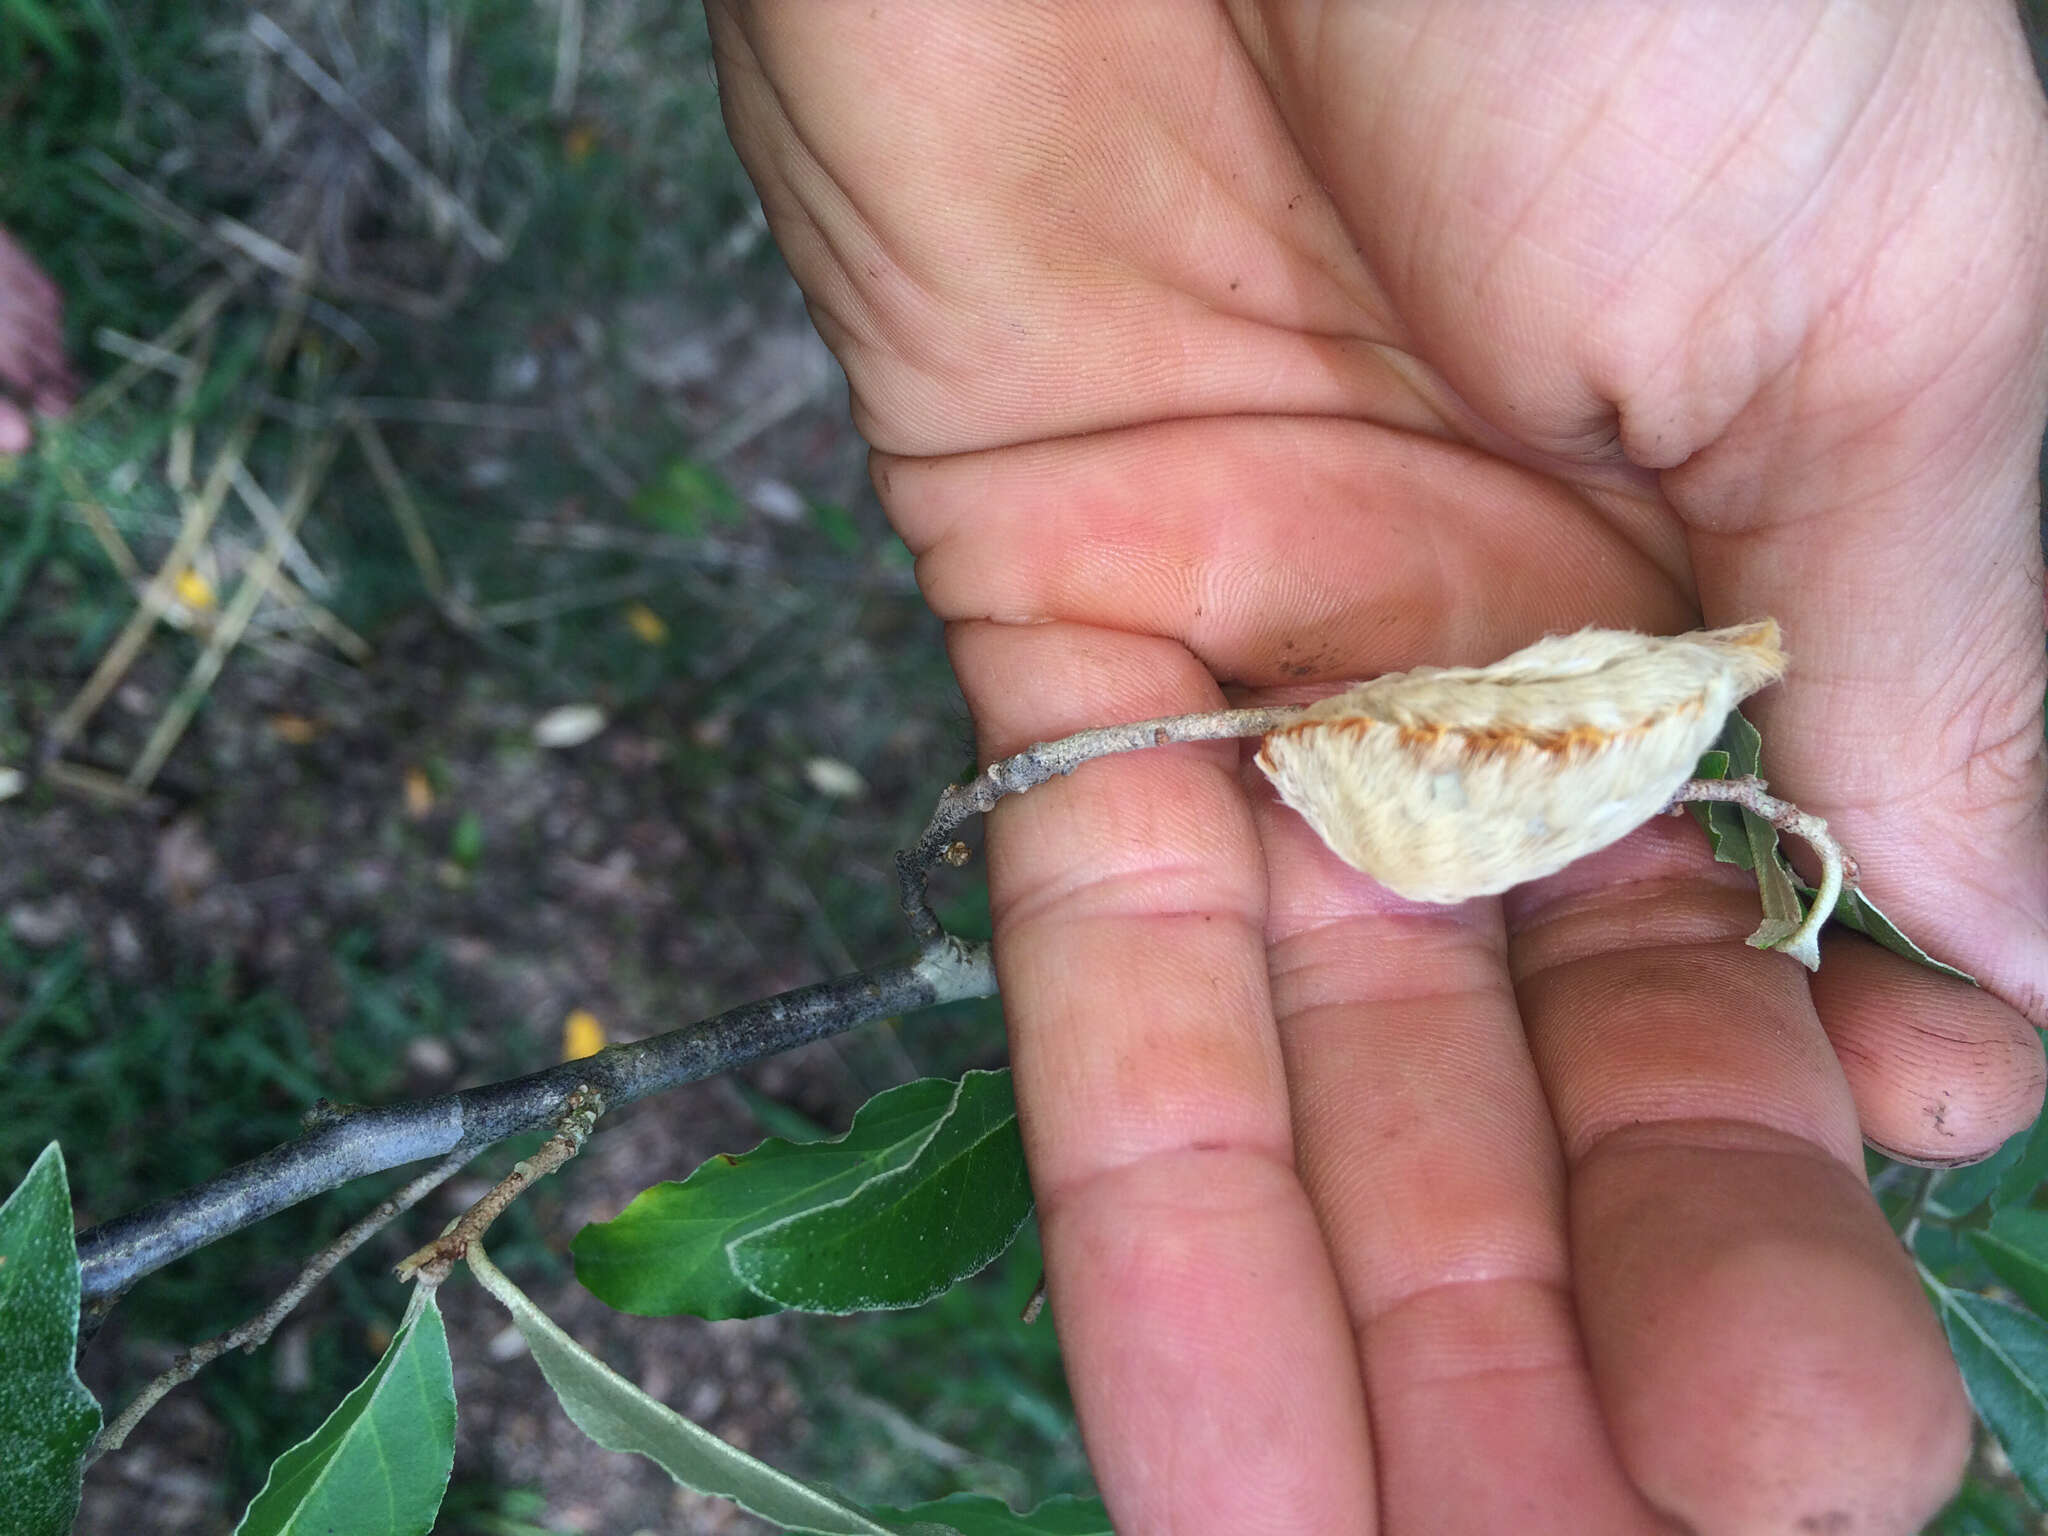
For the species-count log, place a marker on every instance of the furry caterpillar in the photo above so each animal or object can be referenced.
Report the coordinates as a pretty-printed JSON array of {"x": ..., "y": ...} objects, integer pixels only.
[{"x": 1445, "y": 783}]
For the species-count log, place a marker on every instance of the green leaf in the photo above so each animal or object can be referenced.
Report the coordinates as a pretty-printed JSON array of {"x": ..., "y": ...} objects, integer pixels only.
[
  {"x": 1722, "y": 822},
  {"x": 674, "y": 1249},
  {"x": 1727, "y": 826},
  {"x": 2029, "y": 1172},
  {"x": 1858, "y": 912},
  {"x": 47, "y": 1418},
  {"x": 1961, "y": 1190},
  {"x": 2015, "y": 1245},
  {"x": 1744, "y": 744},
  {"x": 379, "y": 1466},
  {"x": 620, "y": 1417},
  {"x": 1980, "y": 1511},
  {"x": 683, "y": 494},
  {"x": 1742, "y": 838},
  {"x": 2003, "y": 1353},
  {"x": 466, "y": 840},
  {"x": 666, "y": 1252},
  {"x": 974, "y": 1514},
  {"x": 838, "y": 526},
  {"x": 904, "y": 1236}
]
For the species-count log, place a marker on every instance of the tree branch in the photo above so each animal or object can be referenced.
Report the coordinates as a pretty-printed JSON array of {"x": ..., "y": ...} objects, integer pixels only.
[
  {"x": 1837, "y": 867},
  {"x": 350, "y": 1143},
  {"x": 1042, "y": 762},
  {"x": 433, "y": 1261},
  {"x": 257, "y": 1330}
]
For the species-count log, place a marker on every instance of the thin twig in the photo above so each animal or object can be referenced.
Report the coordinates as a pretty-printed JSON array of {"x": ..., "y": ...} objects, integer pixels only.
[
  {"x": 550, "y": 605},
  {"x": 1047, "y": 760},
  {"x": 94, "y": 511},
  {"x": 273, "y": 522},
  {"x": 445, "y": 204},
  {"x": 184, "y": 434},
  {"x": 350, "y": 1144},
  {"x": 301, "y": 609},
  {"x": 93, "y": 783},
  {"x": 146, "y": 355},
  {"x": 568, "y": 56},
  {"x": 1837, "y": 868},
  {"x": 404, "y": 510},
  {"x": 198, "y": 313},
  {"x": 256, "y": 1332},
  {"x": 573, "y": 1126},
  {"x": 157, "y": 597}
]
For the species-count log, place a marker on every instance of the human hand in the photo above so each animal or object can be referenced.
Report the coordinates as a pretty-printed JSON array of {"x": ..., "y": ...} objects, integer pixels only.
[
  {"x": 1286, "y": 345},
  {"x": 33, "y": 373}
]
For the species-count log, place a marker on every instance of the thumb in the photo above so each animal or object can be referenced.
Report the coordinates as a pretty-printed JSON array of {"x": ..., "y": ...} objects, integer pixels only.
[{"x": 1880, "y": 497}]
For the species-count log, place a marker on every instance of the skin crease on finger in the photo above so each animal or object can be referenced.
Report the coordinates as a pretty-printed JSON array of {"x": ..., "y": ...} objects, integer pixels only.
[{"x": 1080, "y": 260}]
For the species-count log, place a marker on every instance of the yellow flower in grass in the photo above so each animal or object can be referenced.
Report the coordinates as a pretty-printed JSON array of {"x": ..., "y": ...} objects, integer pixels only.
[
  {"x": 194, "y": 590},
  {"x": 646, "y": 624},
  {"x": 582, "y": 1035}
]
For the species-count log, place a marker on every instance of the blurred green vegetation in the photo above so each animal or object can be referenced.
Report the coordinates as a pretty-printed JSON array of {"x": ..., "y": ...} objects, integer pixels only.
[{"x": 149, "y": 1088}]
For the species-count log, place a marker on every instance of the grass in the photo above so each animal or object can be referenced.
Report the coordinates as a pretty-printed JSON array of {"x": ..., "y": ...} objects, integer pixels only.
[
  {"x": 149, "y": 1088},
  {"x": 590, "y": 538}
]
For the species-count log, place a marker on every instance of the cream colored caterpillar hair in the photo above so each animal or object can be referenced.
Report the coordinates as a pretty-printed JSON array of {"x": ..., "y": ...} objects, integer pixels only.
[{"x": 1451, "y": 782}]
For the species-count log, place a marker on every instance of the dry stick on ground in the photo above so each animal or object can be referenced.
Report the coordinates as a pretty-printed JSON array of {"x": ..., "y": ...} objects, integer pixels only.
[
  {"x": 94, "y": 511},
  {"x": 383, "y": 144},
  {"x": 404, "y": 510},
  {"x": 419, "y": 544},
  {"x": 256, "y": 1332},
  {"x": 347, "y": 1144},
  {"x": 256, "y": 580},
  {"x": 302, "y": 611},
  {"x": 199, "y": 312},
  {"x": 271, "y": 520},
  {"x": 200, "y": 511},
  {"x": 156, "y": 597},
  {"x": 573, "y": 1126}
]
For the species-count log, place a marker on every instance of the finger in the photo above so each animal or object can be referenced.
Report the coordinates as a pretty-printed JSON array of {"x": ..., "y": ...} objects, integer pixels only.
[
  {"x": 1427, "y": 1149},
  {"x": 1017, "y": 222},
  {"x": 1283, "y": 550},
  {"x": 1941, "y": 1071},
  {"x": 16, "y": 435},
  {"x": 1881, "y": 498},
  {"x": 1194, "y": 1300},
  {"x": 1755, "y": 1331},
  {"x": 1846, "y": 398}
]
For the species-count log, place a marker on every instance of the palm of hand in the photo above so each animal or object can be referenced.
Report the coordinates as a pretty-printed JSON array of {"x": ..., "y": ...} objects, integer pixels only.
[{"x": 1552, "y": 1204}]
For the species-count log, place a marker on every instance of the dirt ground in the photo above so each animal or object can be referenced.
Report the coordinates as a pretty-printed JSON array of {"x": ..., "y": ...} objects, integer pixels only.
[
  {"x": 777, "y": 718},
  {"x": 666, "y": 868}
]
